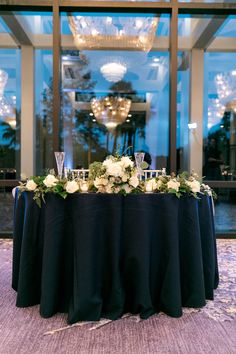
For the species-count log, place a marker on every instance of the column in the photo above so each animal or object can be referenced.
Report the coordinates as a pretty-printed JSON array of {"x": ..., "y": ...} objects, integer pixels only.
[
  {"x": 196, "y": 111},
  {"x": 27, "y": 111}
]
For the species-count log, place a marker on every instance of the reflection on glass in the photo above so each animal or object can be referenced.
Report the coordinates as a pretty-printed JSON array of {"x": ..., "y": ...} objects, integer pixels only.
[
  {"x": 209, "y": 1},
  {"x": 183, "y": 96},
  {"x": 220, "y": 116},
  {"x": 62, "y": 1},
  {"x": 43, "y": 110},
  {"x": 225, "y": 210},
  {"x": 132, "y": 31},
  {"x": 9, "y": 112},
  {"x": 134, "y": 90}
]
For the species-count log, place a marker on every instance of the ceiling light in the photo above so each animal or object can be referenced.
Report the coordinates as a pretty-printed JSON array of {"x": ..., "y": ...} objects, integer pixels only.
[
  {"x": 111, "y": 118},
  {"x": 113, "y": 71},
  {"x": 119, "y": 32}
]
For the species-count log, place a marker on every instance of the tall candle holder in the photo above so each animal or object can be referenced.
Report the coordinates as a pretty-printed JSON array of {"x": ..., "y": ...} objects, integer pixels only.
[
  {"x": 60, "y": 158},
  {"x": 139, "y": 157}
]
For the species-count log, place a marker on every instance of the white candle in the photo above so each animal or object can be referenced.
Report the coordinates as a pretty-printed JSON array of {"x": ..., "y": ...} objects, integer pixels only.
[
  {"x": 148, "y": 187},
  {"x": 84, "y": 187}
]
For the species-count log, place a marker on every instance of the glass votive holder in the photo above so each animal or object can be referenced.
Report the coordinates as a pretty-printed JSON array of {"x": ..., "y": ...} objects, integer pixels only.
[
  {"x": 148, "y": 188},
  {"x": 84, "y": 186}
]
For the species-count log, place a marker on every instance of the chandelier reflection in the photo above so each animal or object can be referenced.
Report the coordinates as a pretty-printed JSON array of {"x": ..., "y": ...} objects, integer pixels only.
[
  {"x": 116, "y": 32},
  {"x": 111, "y": 111},
  {"x": 113, "y": 71},
  {"x": 5, "y": 107}
]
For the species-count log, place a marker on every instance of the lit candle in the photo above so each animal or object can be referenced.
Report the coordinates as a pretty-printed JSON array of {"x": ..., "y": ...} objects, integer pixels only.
[
  {"x": 84, "y": 187},
  {"x": 148, "y": 187}
]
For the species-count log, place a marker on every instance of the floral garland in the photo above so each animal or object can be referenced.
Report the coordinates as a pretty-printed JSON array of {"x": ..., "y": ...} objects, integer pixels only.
[{"x": 116, "y": 174}]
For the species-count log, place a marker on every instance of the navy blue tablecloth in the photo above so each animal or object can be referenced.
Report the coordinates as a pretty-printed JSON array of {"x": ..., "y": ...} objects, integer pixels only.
[{"x": 103, "y": 255}]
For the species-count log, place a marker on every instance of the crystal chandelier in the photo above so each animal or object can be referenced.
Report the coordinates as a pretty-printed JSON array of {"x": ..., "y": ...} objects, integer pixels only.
[
  {"x": 113, "y": 71},
  {"x": 111, "y": 111},
  {"x": 3, "y": 81},
  {"x": 118, "y": 32},
  {"x": 226, "y": 93},
  {"x": 226, "y": 86},
  {"x": 5, "y": 107}
]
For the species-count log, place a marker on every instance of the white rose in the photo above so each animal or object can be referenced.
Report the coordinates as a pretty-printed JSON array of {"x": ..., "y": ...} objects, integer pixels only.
[
  {"x": 126, "y": 162},
  {"x": 100, "y": 181},
  {"x": 107, "y": 162},
  {"x": 127, "y": 188},
  {"x": 23, "y": 176},
  {"x": 115, "y": 170},
  {"x": 72, "y": 186},
  {"x": 124, "y": 178},
  {"x": 31, "y": 185},
  {"x": 117, "y": 189},
  {"x": 173, "y": 184},
  {"x": 50, "y": 181},
  {"x": 109, "y": 188},
  {"x": 194, "y": 185},
  {"x": 207, "y": 189},
  {"x": 134, "y": 181}
]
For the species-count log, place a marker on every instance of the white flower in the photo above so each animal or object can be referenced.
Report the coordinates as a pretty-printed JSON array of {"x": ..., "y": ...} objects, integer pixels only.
[
  {"x": 50, "y": 181},
  {"x": 125, "y": 178},
  {"x": 31, "y": 185},
  {"x": 206, "y": 189},
  {"x": 194, "y": 185},
  {"x": 14, "y": 192},
  {"x": 115, "y": 169},
  {"x": 107, "y": 162},
  {"x": 134, "y": 181},
  {"x": 72, "y": 186},
  {"x": 173, "y": 184},
  {"x": 117, "y": 189},
  {"x": 126, "y": 162},
  {"x": 127, "y": 188},
  {"x": 100, "y": 181},
  {"x": 109, "y": 188},
  {"x": 23, "y": 176}
]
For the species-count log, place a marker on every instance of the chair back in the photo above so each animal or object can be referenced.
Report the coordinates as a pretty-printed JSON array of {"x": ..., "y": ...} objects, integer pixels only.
[
  {"x": 154, "y": 173},
  {"x": 77, "y": 173}
]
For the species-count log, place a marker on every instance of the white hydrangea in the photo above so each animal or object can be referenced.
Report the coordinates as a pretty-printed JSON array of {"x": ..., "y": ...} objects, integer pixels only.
[
  {"x": 173, "y": 184},
  {"x": 31, "y": 185}
]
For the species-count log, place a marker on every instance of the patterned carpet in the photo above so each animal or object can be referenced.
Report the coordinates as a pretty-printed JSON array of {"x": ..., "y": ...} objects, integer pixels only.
[{"x": 211, "y": 329}]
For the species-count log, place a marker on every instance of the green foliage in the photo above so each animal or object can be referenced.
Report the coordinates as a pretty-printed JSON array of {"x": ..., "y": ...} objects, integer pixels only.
[{"x": 96, "y": 169}]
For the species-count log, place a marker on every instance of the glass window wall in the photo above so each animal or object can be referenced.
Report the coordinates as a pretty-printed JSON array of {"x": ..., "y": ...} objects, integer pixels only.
[
  {"x": 115, "y": 87},
  {"x": 25, "y": 78}
]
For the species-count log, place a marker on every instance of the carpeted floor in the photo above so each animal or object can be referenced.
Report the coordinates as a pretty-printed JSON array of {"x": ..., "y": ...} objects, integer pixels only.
[{"x": 208, "y": 330}]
